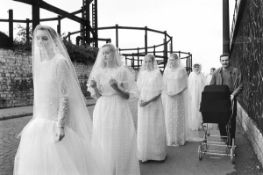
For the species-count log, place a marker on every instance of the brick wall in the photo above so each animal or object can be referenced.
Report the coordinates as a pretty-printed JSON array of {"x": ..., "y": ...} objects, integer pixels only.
[{"x": 16, "y": 85}]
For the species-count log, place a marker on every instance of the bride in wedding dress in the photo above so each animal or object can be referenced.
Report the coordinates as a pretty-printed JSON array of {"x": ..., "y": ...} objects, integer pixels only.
[
  {"x": 151, "y": 123},
  {"x": 113, "y": 84},
  {"x": 57, "y": 140},
  {"x": 196, "y": 84},
  {"x": 175, "y": 101}
]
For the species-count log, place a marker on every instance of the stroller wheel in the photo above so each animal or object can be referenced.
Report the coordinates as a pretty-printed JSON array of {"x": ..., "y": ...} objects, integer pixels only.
[
  {"x": 200, "y": 154},
  {"x": 232, "y": 155}
]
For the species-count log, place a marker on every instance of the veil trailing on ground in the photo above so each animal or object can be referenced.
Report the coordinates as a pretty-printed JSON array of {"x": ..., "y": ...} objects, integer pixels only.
[{"x": 51, "y": 48}]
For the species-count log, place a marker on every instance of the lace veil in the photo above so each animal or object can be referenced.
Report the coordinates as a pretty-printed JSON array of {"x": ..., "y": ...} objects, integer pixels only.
[
  {"x": 149, "y": 82},
  {"x": 52, "y": 47},
  {"x": 175, "y": 77}
]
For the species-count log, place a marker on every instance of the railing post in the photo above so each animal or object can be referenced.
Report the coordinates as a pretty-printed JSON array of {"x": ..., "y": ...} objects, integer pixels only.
[
  {"x": 11, "y": 30},
  {"x": 146, "y": 40},
  {"x": 171, "y": 45},
  {"x": 165, "y": 48},
  {"x": 27, "y": 32},
  {"x": 138, "y": 58},
  {"x": 132, "y": 62},
  {"x": 191, "y": 64},
  {"x": 179, "y": 54},
  {"x": 117, "y": 35},
  {"x": 59, "y": 25},
  {"x": 187, "y": 64},
  {"x": 69, "y": 36},
  {"x": 154, "y": 50}
]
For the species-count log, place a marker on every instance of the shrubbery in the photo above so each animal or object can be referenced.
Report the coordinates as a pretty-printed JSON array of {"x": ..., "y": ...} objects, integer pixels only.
[{"x": 81, "y": 54}]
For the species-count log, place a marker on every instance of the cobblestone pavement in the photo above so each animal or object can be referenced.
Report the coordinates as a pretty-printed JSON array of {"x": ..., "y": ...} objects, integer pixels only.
[
  {"x": 9, "y": 129},
  {"x": 181, "y": 160}
]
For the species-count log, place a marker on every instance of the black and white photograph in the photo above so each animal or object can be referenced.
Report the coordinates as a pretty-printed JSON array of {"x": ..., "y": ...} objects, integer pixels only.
[{"x": 131, "y": 87}]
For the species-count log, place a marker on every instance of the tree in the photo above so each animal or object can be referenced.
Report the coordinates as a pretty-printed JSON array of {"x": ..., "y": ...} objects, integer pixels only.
[
  {"x": 21, "y": 34},
  {"x": 20, "y": 41}
]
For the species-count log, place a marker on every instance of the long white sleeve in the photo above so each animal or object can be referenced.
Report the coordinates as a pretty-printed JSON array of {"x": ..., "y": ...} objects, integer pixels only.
[{"x": 63, "y": 93}]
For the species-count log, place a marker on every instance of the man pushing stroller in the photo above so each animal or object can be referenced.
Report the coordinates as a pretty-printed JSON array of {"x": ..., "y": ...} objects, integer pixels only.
[{"x": 230, "y": 76}]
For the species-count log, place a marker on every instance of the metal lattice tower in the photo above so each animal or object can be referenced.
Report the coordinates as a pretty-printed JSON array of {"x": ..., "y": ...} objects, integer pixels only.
[
  {"x": 85, "y": 16},
  {"x": 95, "y": 22},
  {"x": 85, "y": 34}
]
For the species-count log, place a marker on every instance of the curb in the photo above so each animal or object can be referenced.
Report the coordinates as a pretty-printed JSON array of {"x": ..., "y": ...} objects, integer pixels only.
[
  {"x": 15, "y": 116},
  {"x": 26, "y": 114}
]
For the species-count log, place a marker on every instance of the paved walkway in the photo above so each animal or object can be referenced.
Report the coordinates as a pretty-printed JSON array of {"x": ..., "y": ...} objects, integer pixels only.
[{"x": 181, "y": 160}]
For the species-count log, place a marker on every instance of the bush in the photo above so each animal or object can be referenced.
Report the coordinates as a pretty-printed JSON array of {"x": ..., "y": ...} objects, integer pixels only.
[{"x": 81, "y": 54}]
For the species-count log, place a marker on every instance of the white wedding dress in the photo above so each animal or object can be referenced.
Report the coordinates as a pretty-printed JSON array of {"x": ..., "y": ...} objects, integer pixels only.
[
  {"x": 39, "y": 152},
  {"x": 151, "y": 125},
  {"x": 175, "y": 105},
  {"x": 113, "y": 125},
  {"x": 196, "y": 83}
]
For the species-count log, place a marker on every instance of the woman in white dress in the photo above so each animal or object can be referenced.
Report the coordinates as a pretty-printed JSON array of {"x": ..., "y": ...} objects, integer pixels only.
[
  {"x": 174, "y": 101},
  {"x": 196, "y": 83},
  {"x": 112, "y": 84},
  {"x": 57, "y": 140},
  {"x": 209, "y": 76},
  {"x": 151, "y": 140}
]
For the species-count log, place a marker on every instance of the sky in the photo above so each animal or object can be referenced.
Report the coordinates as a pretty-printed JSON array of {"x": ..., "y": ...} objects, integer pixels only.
[{"x": 196, "y": 25}]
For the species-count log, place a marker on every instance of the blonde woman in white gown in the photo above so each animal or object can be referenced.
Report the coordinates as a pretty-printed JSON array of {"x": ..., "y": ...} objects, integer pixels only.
[
  {"x": 196, "y": 83},
  {"x": 175, "y": 101},
  {"x": 151, "y": 139},
  {"x": 112, "y": 84},
  {"x": 57, "y": 140}
]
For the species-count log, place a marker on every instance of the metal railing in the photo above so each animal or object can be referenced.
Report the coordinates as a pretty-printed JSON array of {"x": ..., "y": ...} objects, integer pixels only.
[{"x": 133, "y": 56}]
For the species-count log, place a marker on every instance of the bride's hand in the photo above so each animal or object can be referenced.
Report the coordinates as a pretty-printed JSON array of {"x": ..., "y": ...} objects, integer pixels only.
[
  {"x": 143, "y": 103},
  {"x": 93, "y": 84},
  {"x": 113, "y": 83},
  {"x": 60, "y": 133}
]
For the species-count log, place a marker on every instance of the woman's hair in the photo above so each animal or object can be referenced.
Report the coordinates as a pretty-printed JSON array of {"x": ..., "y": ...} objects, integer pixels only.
[
  {"x": 174, "y": 55},
  {"x": 52, "y": 32},
  {"x": 150, "y": 56},
  {"x": 110, "y": 46},
  {"x": 116, "y": 55},
  {"x": 196, "y": 65}
]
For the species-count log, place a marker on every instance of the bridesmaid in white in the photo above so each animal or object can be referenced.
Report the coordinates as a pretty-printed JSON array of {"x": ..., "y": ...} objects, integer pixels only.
[
  {"x": 174, "y": 100},
  {"x": 151, "y": 140},
  {"x": 113, "y": 127},
  {"x": 196, "y": 83},
  {"x": 58, "y": 138}
]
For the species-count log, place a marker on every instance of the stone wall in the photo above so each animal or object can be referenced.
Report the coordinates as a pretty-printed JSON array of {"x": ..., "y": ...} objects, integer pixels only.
[
  {"x": 247, "y": 54},
  {"x": 252, "y": 132},
  {"x": 16, "y": 85}
]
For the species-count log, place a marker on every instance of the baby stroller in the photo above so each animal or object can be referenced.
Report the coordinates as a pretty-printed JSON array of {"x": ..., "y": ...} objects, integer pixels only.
[{"x": 216, "y": 107}]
